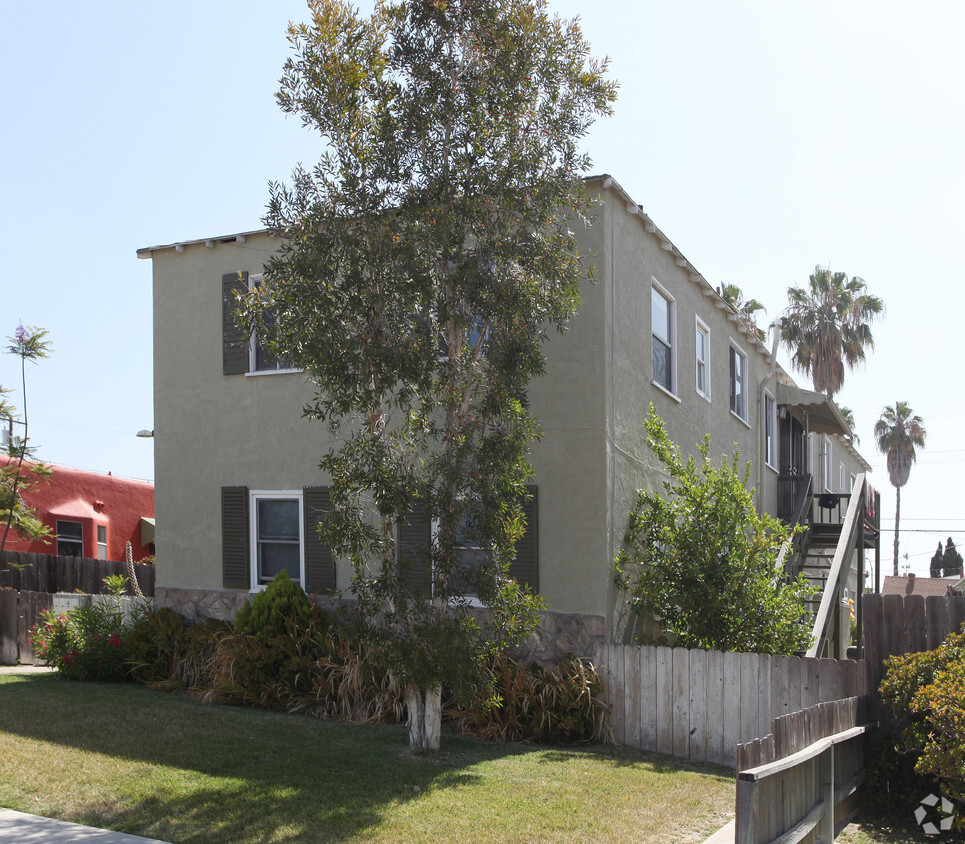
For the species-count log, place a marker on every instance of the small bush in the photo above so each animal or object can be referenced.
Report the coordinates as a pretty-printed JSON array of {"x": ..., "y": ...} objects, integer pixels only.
[
  {"x": 85, "y": 643},
  {"x": 531, "y": 703},
  {"x": 925, "y": 695},
  {"x": 273, "y": 666},
  {"x": 270, "y": 612},
  {"x": 163, "y": 650}
]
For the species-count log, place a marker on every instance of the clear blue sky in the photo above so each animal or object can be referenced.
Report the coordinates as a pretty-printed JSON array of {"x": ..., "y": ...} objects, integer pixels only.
[{"x": 763, "y": 138}]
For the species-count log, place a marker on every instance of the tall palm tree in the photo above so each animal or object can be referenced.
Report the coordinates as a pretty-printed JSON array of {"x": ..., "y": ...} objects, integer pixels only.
[
  {"x": 828, "y": 326},
  {"x": 898, "y": 434}
]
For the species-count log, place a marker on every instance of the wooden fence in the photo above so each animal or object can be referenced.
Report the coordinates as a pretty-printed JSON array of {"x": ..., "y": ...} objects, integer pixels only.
[
  {"x": 799, "y": 782},
  {"x": 47, "y": 573},
  {"x": 702, "y": 704}
]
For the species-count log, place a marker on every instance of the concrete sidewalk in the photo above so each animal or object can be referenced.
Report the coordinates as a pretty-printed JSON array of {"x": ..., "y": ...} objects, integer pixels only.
[{"x": 25, "y": 829}]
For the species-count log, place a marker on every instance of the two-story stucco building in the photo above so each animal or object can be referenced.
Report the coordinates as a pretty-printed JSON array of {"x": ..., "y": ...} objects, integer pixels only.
[{"x": 234, "y": 454}]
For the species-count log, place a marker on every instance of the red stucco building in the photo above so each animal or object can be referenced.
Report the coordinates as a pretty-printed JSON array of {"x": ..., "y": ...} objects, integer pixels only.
[{"x": 90, "y": 515}]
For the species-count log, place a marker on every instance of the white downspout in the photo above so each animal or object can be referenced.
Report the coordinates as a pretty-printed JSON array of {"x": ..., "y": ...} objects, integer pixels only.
[{"x": 775, "y": 327}]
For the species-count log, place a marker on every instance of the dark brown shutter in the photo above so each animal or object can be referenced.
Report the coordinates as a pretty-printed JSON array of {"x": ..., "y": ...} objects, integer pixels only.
[
  {"x": 234, "y": 537},
  {"x": 236, "y": 344},
  {"x": 319, "y": 560},
  {"x": 525, "y": 567},
  {"x": 415, "y": 538}
]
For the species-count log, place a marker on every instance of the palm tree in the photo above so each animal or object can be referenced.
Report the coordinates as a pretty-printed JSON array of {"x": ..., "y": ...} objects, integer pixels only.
[
  {"x": 746, "y": 308},
  {"x": 848, "y": 415},
  {"x": 898, "y": 433},
  {"x": 828, "y": 326}
]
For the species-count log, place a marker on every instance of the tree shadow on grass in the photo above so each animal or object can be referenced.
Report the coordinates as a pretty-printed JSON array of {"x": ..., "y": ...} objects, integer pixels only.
[
  {"x": 185, "y": 772},
  {"x": 622, "y": 757}
]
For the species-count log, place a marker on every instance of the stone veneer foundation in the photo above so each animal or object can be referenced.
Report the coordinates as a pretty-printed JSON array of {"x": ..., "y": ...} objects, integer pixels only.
[{"x": 557, "y": 635}]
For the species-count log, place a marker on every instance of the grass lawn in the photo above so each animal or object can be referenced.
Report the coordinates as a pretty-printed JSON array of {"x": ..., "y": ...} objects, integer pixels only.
[{"x": 154, "y": 764}]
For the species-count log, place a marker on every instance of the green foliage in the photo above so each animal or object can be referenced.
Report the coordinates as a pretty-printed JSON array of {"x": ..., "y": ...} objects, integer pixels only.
[
  {"x": 164, "y": 651},
  {"x": 935, "y": 569},
  {"x": 270, "y": 611},
  {"x": 951, "y": 560},
  {"x": 531, "y": 703},
  {"x": 925, "y": 695},
  {"x": 438, "y": 218},
  {"x": 703, "y": 562},
  {"x": 116, "y": 584},
  {"x": 29, "y": 344},
  {"x": 85, "y": 643},
  {"x": 274, "y": 665}
]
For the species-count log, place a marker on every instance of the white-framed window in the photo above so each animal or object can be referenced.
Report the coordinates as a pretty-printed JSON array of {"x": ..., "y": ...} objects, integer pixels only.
[
  {"x": 101, "y": 542},
  {"x": 828, "y": 466},
  {"x": 770, "y": 431},
  {"x": 471, "y": 555},
  {"x": 663, "y": 332},
  {"x": 702, "y": 358},
  {"x": 854, "y": 480},
  {"x": 259, "y": 358},
  {"x": 478, "y": 328},
  {"x": 738, "y": 381},
  {"x": 277, "y": 538},
  {"x": 70, "y": 539},
  {"x": 842, "y": 474}
]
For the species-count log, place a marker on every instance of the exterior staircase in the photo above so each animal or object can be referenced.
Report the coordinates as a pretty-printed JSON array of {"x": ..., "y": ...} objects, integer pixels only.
[{"x": 839, "y": 529}]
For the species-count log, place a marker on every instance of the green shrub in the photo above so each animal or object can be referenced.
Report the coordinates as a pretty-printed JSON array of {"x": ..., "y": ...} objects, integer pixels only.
[
  {"x": 163, "y": 650},
  {"x": 85, "y": 643},
  {"x": 270, "y": 611},
  {"x": 531, "y": 703},
  {"x": 273, "y": 666},
  {"x": 925, "y": 695}
]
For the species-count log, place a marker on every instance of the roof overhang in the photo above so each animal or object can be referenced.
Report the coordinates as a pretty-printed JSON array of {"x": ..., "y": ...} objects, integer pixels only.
[
  {"x": 815, "y": 411},
  {"x": 147, "y": 530}
]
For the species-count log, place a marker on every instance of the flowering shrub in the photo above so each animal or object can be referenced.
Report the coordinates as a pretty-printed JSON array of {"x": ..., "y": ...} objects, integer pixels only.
[{"x": 86, "y": 643}]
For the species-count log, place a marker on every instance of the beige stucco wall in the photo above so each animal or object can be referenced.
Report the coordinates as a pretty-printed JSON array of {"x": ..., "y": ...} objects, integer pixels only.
[{"x": 213, "y": 430}]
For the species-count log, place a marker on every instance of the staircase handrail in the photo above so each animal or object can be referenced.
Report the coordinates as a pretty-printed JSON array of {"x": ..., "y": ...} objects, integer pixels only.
[
  {"x": 797, "y": 543},
  {"x": 852, "y": 524}
]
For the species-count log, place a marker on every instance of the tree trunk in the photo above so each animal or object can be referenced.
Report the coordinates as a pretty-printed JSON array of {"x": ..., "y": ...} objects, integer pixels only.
[
  {"x": 897, "y": 514},
  {"x": 425, "y": 718}
]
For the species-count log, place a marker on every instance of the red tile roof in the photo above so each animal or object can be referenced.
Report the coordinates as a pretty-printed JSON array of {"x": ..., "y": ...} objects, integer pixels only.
[{"x": 918, "y": 585}]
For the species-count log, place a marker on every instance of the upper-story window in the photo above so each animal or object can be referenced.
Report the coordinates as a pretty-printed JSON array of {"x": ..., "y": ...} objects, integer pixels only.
[
  {"x": 738, "y": 382},
  {"x": 70, "y": 539},
  {"x": 828, "y": 464},
  {"x": 662, "y": 329},
  {"x": 260, "y": 359},
  {"x": 702, "y": 358}
]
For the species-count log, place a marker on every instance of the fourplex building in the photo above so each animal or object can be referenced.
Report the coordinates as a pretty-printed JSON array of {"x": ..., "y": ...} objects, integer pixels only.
[{"x": 233, "y": 451}]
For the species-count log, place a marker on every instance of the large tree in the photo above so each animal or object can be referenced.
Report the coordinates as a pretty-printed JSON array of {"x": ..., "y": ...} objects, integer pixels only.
[
  {"x": 828, "y": 326},
  {"x": 423, "y": 261},
  {"x": 898, "y": 434},
  {"x": 17, "y": 475}
]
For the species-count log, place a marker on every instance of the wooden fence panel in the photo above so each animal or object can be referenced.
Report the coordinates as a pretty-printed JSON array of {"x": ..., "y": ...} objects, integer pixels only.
[
  {"x": 9, "y": 626},
  {"x": 631, "y": 680},
  {"x": 732, "y": 702},
  {"x": 47, "y": 573},
  {"x": 680, "y": 706},
  {"x": 699, "y": 723},
  {"x": 716, "y": 713},
  {"x": 749, "y": 696},
  {"x": 648, "y": 698},
  {"x": 32, "y": 604},
  {"x": 664, "y": 700}
]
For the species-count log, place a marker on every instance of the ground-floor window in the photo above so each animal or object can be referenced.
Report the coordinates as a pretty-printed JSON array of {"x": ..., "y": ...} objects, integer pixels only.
[{"x": 276, "y": 536}]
